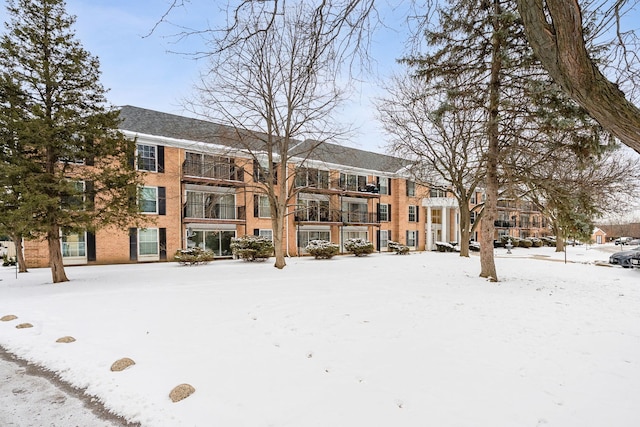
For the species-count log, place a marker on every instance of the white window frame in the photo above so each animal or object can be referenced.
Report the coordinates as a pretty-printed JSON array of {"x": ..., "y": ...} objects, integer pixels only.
[
  {"x": 141, "y": 201},
  {"x": 383, "y": 185},
  {"x": 384, "y": 217},
  {"x": 384, "y": 241},
  {"x": 142, "y": 148},
  {"x": 264, "y": 208},
  {"x": 145, "y": 233},
  {"x": 413, "y": 213},
  {"x": 79, "y": 255},
  {"x": 411, "y": 238},
  {"x": 267, "y": 233}
]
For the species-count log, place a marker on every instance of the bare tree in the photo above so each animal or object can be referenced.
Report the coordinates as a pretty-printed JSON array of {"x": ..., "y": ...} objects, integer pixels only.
[
  {"x": 555, "y": 31},
  {"x": 445, "y": 138},
  {"x": 273, "y": 80}
]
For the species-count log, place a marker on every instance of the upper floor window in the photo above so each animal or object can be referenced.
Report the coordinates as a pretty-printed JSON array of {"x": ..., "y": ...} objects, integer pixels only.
[
  {"x": 411, "y": 188},
  {"x": 384, "y": 212},
  {"x": 147, "y": 158},
  {"x": 148, "y": 199},
  {"x": 75, "y": 197},
  {"x": 207, "y": 166},
  {"x": 261, "y": 206},
  {"x": 413, "y": 213},
  {"x": 352, "y": 182},
  {"x": 383, "y": 185},
  {"x": 306, "y": 177},
  {"x": 437, "y": 192}
]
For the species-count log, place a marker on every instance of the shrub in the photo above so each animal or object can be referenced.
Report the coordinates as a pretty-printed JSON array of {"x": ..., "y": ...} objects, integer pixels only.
[
  {"x": 193, "y": 256},
  {"x": 321, "y": 249},
  {"x": 8, "y": 261},
  {"x": 358, "y": 247},
  {"x": 526, "y": 243},
  {"x": 252, "y": 248},
  {"x": 398, "y": 248}
]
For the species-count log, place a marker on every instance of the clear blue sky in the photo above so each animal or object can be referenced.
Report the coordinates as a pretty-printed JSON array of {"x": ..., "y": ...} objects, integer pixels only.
[{"x": 138, "y": 69}]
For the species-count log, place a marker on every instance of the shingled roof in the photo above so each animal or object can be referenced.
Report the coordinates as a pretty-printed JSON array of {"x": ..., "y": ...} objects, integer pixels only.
[{"x": 156, "y": 123}]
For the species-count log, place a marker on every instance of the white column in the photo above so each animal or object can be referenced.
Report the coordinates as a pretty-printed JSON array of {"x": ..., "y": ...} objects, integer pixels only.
[
  {"x": 445, "y": 226},
  {"x": 429, "y": 232}
]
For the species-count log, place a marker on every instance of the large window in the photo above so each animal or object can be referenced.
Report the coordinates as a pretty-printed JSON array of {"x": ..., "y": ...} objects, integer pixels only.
[
  {"x": 307, "y": 177},
  {"x": 436, "y": 192},
  {"x": 210, "y": 205},
  {"x": 207, "y": 166},
  {"x": 305, "y": 236},
  {"x": 354, "y": 212},
  {"x": 147, "y": 158},
  {"x": 217, "y": 241},
  {"x": 312, "y": 209},
  {"x": 353, "y": 182},
  {"x": 148, "y": 199}
]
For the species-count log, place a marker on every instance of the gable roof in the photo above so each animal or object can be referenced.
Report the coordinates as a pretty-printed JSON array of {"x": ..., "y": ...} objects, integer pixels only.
[{"x": 156, "y": 123}]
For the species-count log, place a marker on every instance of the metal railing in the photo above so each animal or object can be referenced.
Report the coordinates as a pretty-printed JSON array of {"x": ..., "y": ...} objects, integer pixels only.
[
  {"x": 214, "y": 211},
  {"x": 212, "y": 170}
]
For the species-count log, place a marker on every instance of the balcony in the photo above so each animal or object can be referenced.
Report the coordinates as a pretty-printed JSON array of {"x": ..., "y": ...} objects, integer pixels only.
[
  {"x": 336, "y": 216},
  {"x": 221, "y": 212},
  {"x": 206, "y": 172}
]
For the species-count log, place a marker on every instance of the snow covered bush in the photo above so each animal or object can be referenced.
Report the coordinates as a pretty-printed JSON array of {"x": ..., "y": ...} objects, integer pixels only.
[
  {"x": 398, "y": 248},
  {"x": 252, "y": 248},
  {"x": 322, "y": 249},
  {"x": 358, "y": 247},
  {"x": 193, "y": 256}
]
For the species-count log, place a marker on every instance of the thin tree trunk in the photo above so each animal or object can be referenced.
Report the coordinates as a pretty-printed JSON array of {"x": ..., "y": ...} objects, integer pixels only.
[
  {"x": 55, "y": 255},
  {"x": 487, "y": 261},
  {"x": 22, "y": 263}
]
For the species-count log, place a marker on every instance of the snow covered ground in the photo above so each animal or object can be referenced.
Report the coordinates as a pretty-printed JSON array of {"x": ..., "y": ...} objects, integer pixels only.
[{"x": 385, "y": 340}]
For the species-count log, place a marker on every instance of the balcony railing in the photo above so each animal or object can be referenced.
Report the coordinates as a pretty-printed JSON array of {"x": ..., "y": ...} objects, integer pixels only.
[
  {"x": 219, "y": 171},
  {"x": 214, "y": 211},
  {"x": 334, "y": 215}
]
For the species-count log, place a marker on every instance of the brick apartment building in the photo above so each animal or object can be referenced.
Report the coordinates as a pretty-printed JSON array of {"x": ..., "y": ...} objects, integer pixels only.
[{"x": 200, "y": 191}]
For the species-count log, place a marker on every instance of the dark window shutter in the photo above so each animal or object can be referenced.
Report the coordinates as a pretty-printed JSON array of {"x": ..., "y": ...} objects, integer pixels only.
[
  {"x": 417, "y": 237},
  {"x": 160, "y": 158},
  {"x": 89, "y": 194},
  {"x": 91, "y": 246},
  {"x": 256, "y": 231},
  {"x": 133, "y": 244},
  {"x": 406, "y": 238},
  {"x": 389, "y": 187},
  {"x": 378, "y": 239},
  {"x": 389, "y": 212},
  {"x": 162, "y": 236},
  {"x": 417, "y": 213},
  {"x": 378, "y": 211},
  {"x": 256, "y": 200},
  {"x": 89, "y": 160},
  {"x": 162, "y": 200}
]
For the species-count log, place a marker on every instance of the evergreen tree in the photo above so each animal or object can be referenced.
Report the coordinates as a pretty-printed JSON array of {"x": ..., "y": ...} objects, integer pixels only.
[{"x": 66, "y": 164}]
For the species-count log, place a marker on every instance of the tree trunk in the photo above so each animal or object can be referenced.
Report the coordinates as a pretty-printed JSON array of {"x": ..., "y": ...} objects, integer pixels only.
[
  {"x": 277, "y": 223},
  {"x": 22, "y": 263},
  {"x": 560, "y": 47},
  {"x": 487, "y": 261},
  {"x": 55, "y": 255},
  {"x": 465, "y": 220}
]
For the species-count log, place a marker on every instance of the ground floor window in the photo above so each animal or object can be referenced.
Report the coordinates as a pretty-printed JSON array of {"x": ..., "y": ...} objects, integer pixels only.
[
  {"x": 305, "y": 236},
  {"x": 383, "y": 241},
  {"x": 266, "y": 233},
  {"x": 74, "y": 248},
  {"x": 217, "y": 241},
  {"x": 147, "y": 244},
  {"x": 412, "y": 238}
]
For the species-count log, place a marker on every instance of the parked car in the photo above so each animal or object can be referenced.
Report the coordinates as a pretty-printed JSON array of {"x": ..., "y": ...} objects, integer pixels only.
[
  {"x": 622, "y": 241},
  {"x": 623, "y": 258}
]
